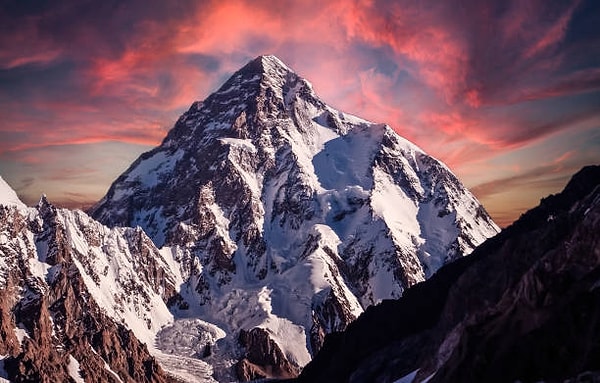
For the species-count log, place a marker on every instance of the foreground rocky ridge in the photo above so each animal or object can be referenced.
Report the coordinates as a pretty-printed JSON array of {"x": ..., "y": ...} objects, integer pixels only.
[
  {"x": 55, "y": 321},
  {"x": 290, "y": 217},
  {"x": 523, "y": 307}
]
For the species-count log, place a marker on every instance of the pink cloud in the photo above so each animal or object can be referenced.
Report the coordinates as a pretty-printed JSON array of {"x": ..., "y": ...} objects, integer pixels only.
[
  {"x": 37, "y": 58},
  {"x": 553, "y": 34},
  {"x": 419, "y": 35},
  {"x": 581, "y": 81},
  {"x": 415, "y": 34}
]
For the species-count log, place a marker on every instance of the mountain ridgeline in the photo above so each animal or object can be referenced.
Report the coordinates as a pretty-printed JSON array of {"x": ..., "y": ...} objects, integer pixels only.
[{"x": 68, "y": 287}]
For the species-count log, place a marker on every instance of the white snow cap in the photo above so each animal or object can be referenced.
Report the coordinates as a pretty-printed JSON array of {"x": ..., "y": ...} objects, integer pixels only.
[
  {"x": 272, "y": 60},
  {"x": 8, "y": 197}
]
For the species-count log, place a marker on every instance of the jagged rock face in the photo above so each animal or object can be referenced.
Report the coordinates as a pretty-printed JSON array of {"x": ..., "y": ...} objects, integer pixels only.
[
  {"x": 263, "y": 357},
  {"x": 523, "y": 307},
  {"x": 273, "y": 197},
  {"x": 62, "y": 307}
]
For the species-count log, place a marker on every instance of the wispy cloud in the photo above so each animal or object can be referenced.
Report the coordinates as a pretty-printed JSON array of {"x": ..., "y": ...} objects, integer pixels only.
[{"x": 551, "y": 176}]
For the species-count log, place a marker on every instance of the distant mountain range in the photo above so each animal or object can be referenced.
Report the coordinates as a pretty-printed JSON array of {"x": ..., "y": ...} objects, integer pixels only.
[{"x": 265, "y": 221}]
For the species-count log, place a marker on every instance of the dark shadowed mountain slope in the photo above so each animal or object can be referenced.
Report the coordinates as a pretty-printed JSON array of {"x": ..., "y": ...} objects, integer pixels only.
[{"x": 524, "y": 306}]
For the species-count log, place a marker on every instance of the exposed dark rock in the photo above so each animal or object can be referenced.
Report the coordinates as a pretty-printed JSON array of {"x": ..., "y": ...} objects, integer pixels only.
[
  {"x": 263, "y": 182},
  {"x": 262, "y": 357}
]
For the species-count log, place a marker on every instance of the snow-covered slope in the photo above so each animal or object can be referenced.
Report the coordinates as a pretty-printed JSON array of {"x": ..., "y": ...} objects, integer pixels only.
[
  {"x": 287, "y": 215},
  {"x": 8, "y": 197}
]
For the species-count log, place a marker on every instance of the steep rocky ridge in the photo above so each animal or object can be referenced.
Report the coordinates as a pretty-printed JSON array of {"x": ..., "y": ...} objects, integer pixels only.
[
  {"x": 61, "y": 318},
  {"x": 524, "y": 306}
]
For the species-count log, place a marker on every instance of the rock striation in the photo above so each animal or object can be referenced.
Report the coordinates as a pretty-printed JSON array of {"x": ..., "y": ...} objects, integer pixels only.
[{"x": 54, "y": 325}]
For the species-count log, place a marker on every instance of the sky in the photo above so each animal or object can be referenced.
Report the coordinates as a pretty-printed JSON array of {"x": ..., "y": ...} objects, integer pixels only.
[{"x": 505, "y": 92}]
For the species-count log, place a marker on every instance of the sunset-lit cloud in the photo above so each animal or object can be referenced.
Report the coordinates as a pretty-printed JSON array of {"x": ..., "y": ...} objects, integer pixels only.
[{"x": 477, "y": 84}]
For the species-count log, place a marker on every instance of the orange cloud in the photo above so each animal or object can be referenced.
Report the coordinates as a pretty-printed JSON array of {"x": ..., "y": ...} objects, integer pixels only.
[{"x": 564, "y": 157}]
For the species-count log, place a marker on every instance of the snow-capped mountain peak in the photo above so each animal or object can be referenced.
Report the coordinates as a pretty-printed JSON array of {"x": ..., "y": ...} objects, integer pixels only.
[{"x": 273, "y": 197}]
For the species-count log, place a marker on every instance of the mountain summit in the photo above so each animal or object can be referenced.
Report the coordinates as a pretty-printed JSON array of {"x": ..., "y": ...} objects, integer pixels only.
[{"x": 288, "y": 217}]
